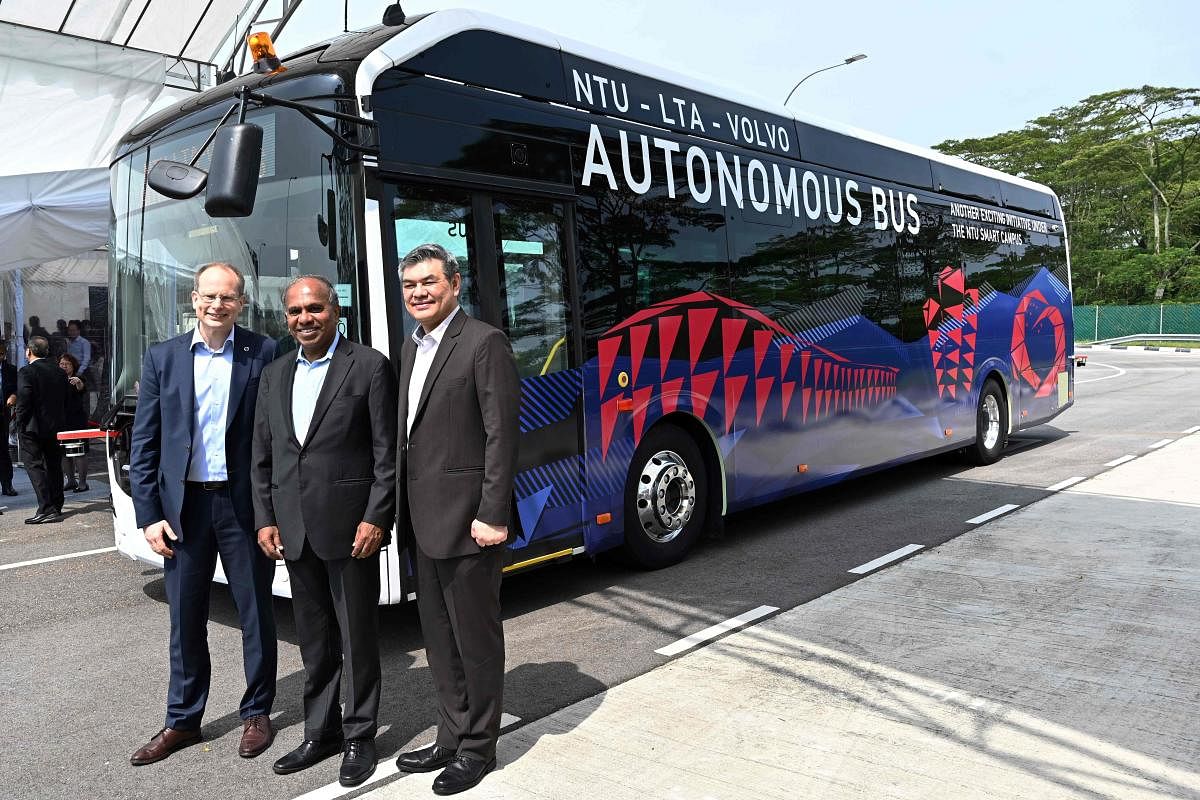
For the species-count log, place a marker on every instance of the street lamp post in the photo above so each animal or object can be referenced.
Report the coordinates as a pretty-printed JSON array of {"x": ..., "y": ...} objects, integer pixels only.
[{"x": 842, "y": 63}]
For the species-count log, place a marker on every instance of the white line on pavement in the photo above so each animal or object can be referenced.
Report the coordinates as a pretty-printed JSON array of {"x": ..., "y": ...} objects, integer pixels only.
[
  {"x": 714, "y": 631},
  {"x": 1119, "y": 372},
  {"x": 56, "y": 558},
  {"x": 886, "y": 559},
  {"x": 995, "y": 512},
  {"x": 1058, "y": 487},
  {"x": 1116, "y": 462},
  {"x": 1192, "y": 429},
  {"x": 1161, "y": 443},
  {"x": 385, "y": 768}
]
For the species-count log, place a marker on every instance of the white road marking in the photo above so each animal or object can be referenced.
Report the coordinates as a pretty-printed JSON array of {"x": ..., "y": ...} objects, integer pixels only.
[
  {"x": 1116, "y": 462},
  {"x": 995, "y": 512},
  {"x": 1161, "y": 443},
  {"x": 714, "y": 631},
  {"x": 56, "y": 558},
  {"x": 1193, "y": 429},
  {"x": 385, "y": 768},
  {"x": 1119, "y": 372},
  {"x": 886, "y": 559},
  {"x": 1058, "y": 487}
]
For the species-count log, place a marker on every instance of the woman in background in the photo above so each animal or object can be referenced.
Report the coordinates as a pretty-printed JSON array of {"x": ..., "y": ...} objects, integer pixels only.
[{"x": 77, "y": 419}]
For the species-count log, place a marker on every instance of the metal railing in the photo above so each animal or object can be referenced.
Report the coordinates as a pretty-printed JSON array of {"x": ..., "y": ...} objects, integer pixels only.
[{"x": 1102, "y": 323}]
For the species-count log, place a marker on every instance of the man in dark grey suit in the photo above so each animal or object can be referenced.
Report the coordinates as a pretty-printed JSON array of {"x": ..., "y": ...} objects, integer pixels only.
[
  {"x": 458, "y": 426},
  {"x": 41, "y": 414},
  {"x": 324, "y": 479}
]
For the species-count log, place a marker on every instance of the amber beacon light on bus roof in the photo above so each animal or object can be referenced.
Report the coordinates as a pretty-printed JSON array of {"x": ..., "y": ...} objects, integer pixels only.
[{"x": 231, "y": 182}]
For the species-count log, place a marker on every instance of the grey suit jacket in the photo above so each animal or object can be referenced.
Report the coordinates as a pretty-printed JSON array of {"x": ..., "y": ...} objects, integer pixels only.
[
  {"x": 344, "y": 471},
  {"x": 459, "y": 460}
]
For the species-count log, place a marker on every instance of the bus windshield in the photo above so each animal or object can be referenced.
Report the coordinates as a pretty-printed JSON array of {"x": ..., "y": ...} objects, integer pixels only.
[{"x": 303, "y": 224}]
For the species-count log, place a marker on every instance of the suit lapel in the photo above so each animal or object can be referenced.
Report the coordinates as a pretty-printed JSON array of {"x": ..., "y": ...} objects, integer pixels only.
[
  {"x": 445, "y": 347},
  {"x": 285, "y": 398},
  {"x": 338, "y": 369},
  {"x": 408, "y": 355},
  {"x": 186, "y": 380},
  {"x": 240, "y": 376}
]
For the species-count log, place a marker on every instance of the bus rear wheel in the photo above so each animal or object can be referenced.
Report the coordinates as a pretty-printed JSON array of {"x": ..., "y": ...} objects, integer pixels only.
[
  {"x": 666, "y": 498},
  {"x": 991, "y": 425}
]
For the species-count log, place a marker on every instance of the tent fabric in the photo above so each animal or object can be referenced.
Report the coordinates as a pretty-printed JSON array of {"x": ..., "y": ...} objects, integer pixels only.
[{"x": 49, "y": 216}]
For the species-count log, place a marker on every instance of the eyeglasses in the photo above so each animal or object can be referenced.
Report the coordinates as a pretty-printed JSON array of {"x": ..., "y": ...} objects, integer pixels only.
[{"x": 223, "y": 299}]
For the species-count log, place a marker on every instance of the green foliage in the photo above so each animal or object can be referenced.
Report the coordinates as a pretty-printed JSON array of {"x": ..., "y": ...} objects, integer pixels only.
[{"x": 1126, "y": 167}]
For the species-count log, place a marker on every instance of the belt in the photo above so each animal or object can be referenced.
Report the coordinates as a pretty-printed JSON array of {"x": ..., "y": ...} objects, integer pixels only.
[{"x": 209, "y": 486}]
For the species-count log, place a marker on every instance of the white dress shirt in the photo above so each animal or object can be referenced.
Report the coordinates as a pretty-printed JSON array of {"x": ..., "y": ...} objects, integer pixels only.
[
  {"x": 427, "y": 346},
  {"x": 310, "y": 377},
  {"x": 211, "y": 373}
]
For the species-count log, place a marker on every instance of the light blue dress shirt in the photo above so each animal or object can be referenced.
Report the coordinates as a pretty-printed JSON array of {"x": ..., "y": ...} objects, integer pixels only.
[
  {"x": 81, "y": 348},
  {"x": 310, "y": 377},
  {"x": 211, "y": 373}
]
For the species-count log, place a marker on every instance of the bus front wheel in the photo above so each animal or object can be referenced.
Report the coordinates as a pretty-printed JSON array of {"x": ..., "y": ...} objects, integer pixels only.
[
  {"x": 991, "y": 425},
  {"x": 666, "y": 498}
]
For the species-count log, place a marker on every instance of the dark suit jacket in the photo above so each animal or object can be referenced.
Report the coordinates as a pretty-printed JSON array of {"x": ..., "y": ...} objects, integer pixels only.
[
  {"x": 461, "y": 456},
  {"x": 41, "y": 399},
  {"x": 344, "y": 472},
  {"x": 9, "y": 380},
  {"x": 161, "y": 447}
]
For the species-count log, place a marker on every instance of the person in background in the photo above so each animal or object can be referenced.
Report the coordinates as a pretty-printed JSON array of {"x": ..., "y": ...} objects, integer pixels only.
[
  {"x": 75, "y": 468},
  {"x": 8, "y": 373},
  {"x": 41, "y": 414},
  {"x": 79, "y": 347},
  {"x": 36, "y": 329},
  {"x": 58, "y": 340}
]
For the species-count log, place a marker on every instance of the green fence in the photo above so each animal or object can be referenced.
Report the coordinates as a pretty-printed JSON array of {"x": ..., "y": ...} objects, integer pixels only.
[{"x": 1096, "y": 323}]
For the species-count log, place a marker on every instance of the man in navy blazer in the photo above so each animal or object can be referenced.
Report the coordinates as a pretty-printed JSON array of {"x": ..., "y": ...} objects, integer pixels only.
[{"x": 189, "y": 469}]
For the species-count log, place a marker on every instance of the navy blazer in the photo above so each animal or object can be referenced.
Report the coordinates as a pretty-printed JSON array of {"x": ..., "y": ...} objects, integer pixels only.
[{"x": 161, "y": 447}]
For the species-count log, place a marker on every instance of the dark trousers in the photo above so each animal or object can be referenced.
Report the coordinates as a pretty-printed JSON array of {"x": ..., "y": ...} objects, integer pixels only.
[
  {"x": 459, "y": 604},
  {"x": 6, "y": 465},
  {"x": 210, "y": 527},
  {"x": 336, "y": 606},
  {"x": 43, "y": 463}
]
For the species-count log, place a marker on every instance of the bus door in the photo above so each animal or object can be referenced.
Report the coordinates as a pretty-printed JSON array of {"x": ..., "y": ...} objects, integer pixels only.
[{"x": 514, "y": 256}]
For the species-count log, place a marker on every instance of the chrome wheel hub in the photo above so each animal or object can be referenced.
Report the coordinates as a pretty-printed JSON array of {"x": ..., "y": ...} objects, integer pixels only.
[
  {"x": 991, "y": 421},
  {"x": 666, "y": 496}
]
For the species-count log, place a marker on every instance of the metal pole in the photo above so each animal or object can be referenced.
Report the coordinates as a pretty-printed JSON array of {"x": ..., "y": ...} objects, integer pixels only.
[
  {"x": 1160, "y": 318},
  {"x": 1096, "y": 335}
]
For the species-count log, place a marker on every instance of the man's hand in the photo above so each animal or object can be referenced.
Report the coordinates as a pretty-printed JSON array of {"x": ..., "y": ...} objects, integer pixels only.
[
  {"x": 157, "y": 534},
  {"x": 486, "y": 535},
  {"x": 269, "y": 541},
  {"x": 367, "y": 539}
]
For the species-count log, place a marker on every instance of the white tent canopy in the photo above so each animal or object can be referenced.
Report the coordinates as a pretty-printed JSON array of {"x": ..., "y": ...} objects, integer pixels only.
[{"x": 52, "y": 215}]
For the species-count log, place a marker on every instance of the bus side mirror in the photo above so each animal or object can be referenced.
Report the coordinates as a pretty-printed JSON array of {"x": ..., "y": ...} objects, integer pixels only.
[
  {"x": 233, "y": 173},
  {"x": 175, "y": 180}
]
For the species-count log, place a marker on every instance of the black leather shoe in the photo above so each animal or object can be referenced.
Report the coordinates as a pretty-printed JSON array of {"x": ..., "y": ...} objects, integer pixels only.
[
  {"x": 427, "y": 759},
  {"x": 83, "y": 487},
  {"x": 9, "y": 491},
  {"x": 358, "y": 763},
  {"x": 49, "y": 516},
  {"x": 307, "y": 754},
  {"x": 462, "y": 773}
]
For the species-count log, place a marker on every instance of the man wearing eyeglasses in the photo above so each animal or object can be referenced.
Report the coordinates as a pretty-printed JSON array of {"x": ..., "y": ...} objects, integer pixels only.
[{"x": 189, "y": 469}]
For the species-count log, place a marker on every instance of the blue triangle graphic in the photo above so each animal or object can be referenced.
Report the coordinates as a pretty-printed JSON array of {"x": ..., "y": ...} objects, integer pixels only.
[
  {"x": 530, "y": 508},
  {"x": 729, "y": 441}
]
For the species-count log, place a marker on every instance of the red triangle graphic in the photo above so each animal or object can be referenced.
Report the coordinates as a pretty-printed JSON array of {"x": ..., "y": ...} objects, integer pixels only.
[
  {"x": 930, "y": 308},
  {"x": 702, "y": 389},
  {"x": 608, "y": 420},
  {"x": 762, "y": 391},
  {"x": 954, "y": 280},
  {"x": 969, "y": 340},
  {"x": 955, "y": 312},
  {"x": 731, "y": 337},
  {"x": 734, "y": 386},
  {"x": 956, "y": 335},
  {"x": 950, "y": 389},
  {"x": 786, "y": 351},
  {"x": 668, "y": 329},
  {"x": 933, "y": 338},
  {"x": 700, "y": 322},
  {"x": 789, "y": 387},
  {"x": 608, "y": 354},
  {"x": 639, "y": 336},
  {"x": 805, "y": 396},
  {"x": 641, "y": 404},
  {"x": 805, "y": 357},
  {"x": 762, "y": 340},
  {"x": 670, "y": 395},
  {"x": 939, "y": 373}
]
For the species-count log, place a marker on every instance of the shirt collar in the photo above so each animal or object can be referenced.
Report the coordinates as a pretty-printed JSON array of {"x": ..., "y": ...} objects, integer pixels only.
[
  {"x": 437, "y": 333},
  {"x": 198, "y": 339},
  {"x": 337, "y": 337}
]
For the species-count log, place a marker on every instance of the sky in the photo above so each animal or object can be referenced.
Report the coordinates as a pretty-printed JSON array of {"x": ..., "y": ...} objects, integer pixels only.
[{"x": 934, "y": 70}]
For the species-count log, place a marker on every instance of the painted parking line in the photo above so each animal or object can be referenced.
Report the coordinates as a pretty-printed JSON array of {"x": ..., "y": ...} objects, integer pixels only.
[
  {"x": 713, "y": 631},
  {"x": 56, "y": 558},
  {"x": 1161, "y": 443},
  {"x": 995, "y": 512},
  {"x": 384, "y": 769},
  {"x": 870, "y": 566},
  {"x": 1058, "y": 487},
  {"x": 1119, "y": 372},
  {"x": 1116, "y": 462},
  {"x": 1192, "y": 429}
]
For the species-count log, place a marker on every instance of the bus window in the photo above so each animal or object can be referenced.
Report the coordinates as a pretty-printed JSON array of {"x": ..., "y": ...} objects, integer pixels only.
[
  {"x": 534, "y": 302},
  {"x": 424, "y": 215}
]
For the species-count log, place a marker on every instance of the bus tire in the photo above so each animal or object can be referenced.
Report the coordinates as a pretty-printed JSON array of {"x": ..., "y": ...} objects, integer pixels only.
[
  {"x": 666, "y": 498},
  {"x": 991, "y": 425}
]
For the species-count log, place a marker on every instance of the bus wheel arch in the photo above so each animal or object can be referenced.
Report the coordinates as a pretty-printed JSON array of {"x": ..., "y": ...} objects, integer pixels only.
[{"x": 673, "y": 492}]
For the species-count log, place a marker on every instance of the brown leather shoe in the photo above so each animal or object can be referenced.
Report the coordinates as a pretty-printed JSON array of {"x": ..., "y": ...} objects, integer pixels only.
[
  {"x": 257, "y": 735},
  {"x": 165, "y": 742}
]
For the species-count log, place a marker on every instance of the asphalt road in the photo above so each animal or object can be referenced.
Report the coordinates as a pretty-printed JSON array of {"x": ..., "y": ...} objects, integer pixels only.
[{"x": 83, "y": 641}]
